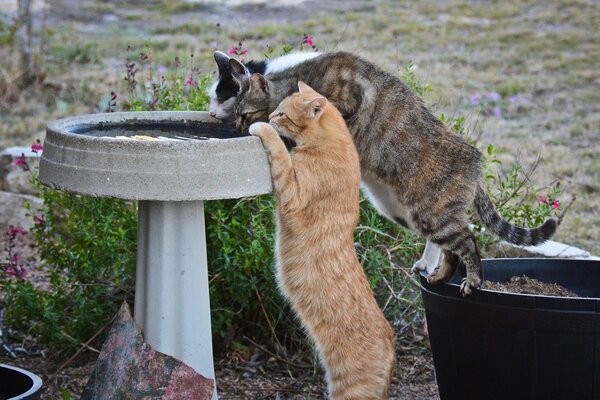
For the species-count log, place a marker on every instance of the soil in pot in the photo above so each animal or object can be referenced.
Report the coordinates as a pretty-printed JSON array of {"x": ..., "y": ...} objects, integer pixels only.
[{"x": 526, "y": 285}]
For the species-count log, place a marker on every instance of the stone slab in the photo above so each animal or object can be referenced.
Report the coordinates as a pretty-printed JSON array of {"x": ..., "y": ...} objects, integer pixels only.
[{"x": 129, "y": 368}]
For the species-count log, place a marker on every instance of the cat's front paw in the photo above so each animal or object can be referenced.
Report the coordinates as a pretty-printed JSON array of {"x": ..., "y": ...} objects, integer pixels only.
[
  {"x": 420, "y": 265},
  {"x": 259, "y": 128}
]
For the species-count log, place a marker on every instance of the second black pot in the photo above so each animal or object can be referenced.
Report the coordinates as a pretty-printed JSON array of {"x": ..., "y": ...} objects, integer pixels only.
[{"x": 19, "y": 384}]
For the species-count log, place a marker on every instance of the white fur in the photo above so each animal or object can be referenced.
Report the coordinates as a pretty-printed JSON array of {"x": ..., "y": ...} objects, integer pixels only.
[
  {"x": 289, "y": 60},
  {"x": 432, "y": 258},
  {"x": 384, "y": 199},
  {"x": 224, "y": 111}
]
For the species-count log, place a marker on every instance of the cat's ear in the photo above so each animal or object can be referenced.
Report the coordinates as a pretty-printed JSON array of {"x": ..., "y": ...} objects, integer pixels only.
[
  {"x": 222, "y": 61},
  {"x": 315, "y": 107},
  {"x": 304, "y": 88},
  {"x": 259, "y": 82},
  {"x": 238, "y": 70}
]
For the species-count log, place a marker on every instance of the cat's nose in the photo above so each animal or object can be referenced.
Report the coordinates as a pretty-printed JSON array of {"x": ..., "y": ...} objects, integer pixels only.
[{"x": 212, "y": 114}]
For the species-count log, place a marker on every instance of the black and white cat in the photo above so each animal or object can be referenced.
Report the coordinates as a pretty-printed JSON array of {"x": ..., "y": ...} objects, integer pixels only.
[{"x": 224, "y": 90}]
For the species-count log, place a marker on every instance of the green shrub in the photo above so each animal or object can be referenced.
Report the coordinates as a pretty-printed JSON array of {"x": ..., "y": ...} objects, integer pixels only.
[{"x": 87, "y": 248}]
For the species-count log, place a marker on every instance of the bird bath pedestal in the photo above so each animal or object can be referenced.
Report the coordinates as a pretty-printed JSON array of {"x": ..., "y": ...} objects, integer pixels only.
[{"x": 169, "y": 162}]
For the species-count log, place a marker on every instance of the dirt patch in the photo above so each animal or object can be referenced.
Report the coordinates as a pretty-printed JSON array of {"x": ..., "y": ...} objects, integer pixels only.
[
  {"x": 268, "y": 379},
  {"x": 526, "y": 285}
]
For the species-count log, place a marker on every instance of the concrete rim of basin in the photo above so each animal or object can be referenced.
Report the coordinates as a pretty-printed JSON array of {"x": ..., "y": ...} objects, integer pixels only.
[{"x": 163, "y": 170}]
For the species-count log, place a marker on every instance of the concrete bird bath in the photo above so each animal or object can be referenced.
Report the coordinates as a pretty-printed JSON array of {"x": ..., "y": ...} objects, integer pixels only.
[{"x": 170, "y": 162}]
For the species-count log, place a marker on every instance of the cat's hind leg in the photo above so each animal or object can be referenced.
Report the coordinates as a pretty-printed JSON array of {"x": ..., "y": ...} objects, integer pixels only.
[
  {"x": 453, "y": 235},
  {"x": 463, "y": 245},
  {"x": 445, "y": 271}
]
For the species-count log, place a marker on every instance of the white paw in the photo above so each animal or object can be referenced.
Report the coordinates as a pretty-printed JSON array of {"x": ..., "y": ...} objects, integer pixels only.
[
  {"x": 420, "y": 265},
  {"x": 257, "y": 127}
]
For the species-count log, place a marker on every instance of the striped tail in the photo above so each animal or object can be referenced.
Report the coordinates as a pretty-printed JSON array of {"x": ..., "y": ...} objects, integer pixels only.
[{"x": 504, "y": 230}]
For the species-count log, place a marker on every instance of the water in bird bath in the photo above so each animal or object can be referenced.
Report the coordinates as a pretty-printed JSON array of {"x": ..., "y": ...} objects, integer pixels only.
[{"x": 148, "y": 131}]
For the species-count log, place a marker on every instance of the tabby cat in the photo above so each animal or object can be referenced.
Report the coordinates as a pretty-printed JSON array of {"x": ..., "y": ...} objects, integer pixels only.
[
  {"x": 316, "y": 186},
  {"x": 223, "y": 91},
  {"x": 416, "y": 171}
]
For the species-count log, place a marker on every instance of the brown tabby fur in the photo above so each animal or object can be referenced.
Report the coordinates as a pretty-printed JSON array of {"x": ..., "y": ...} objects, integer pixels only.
[
  {"x": 417, "y": 171},
  {"x": 317, "y": 190}
]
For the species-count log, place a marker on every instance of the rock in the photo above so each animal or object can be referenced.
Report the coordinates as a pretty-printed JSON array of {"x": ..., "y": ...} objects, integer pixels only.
[
  {"x": 13, "y": 212},
  {"x": 129, "y": 368},
  {"x": 12, "y": 177}
]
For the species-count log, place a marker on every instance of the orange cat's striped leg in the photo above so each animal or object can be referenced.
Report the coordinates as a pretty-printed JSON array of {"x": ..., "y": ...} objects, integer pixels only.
[{"x": 282, "y": 170}]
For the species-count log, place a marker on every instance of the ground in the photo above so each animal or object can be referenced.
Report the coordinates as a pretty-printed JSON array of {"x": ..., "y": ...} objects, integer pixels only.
[
  {"x": 544, "y": 52},
  {"x": 263, "y": 378}
]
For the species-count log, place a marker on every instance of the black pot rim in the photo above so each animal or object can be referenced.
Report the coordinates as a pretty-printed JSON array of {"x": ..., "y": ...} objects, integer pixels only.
[
  {"x": 36, "y": 381},
  {"x": 452, "y": 287}
]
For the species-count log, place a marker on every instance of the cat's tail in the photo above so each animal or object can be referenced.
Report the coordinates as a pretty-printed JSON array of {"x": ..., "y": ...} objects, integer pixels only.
[{"x": 504, "y": 230}]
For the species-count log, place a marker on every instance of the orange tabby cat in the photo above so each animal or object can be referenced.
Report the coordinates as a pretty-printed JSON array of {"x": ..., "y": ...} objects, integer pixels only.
[{"x": 316, "y": 186}]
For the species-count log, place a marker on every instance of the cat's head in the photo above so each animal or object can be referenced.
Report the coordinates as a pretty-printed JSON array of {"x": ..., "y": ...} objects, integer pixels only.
[
  {"x": 298, "y": 115},
  {"x": 224, "y": 90},
  {"x": 253, "y": 100}
]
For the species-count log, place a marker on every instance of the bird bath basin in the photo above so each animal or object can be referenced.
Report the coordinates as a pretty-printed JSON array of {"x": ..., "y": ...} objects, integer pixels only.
[{"x": 170, "y": 162}]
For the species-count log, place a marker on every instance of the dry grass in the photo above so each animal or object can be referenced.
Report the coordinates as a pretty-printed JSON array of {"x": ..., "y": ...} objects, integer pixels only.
[{"x": 547, "y": 51}]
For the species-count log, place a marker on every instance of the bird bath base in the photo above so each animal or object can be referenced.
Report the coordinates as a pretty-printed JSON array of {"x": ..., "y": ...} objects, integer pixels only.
[{"x": 170, "y": 162}]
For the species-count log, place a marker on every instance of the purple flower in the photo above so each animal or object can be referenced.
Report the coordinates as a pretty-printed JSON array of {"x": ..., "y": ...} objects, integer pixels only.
[
  {"x": 497, "y": 112},
  {"x": 162, "y": 69},
  {"x": 492, "y": 96},
  {"x": 519, "y": 99},
  {"x": 475, "y": 99}
]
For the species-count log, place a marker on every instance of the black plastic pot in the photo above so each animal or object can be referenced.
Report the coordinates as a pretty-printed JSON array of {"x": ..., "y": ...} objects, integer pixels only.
[
  {"x": 506, "y": 346},
  {"x": 18, "y": 384}
]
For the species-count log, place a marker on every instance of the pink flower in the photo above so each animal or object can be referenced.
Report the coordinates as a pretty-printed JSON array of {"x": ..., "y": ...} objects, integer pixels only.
[
  {"x": 38, "y": 220},
  {"x": 13, "y": 268},
  {"x": 243, "y": 52},
  {"x": 37, "y": 146},
  {"x": 232, "y": 51},
  {"x": 308, "y": 39},
  {"x": 189, "y": 81},
  {"x": 20, "y": 161},
  {"x": 556, "y": 205},
  {"x": 542, "y": 199},
  {"x": 15, "y": 230}
]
